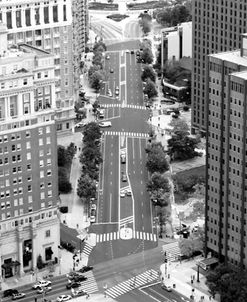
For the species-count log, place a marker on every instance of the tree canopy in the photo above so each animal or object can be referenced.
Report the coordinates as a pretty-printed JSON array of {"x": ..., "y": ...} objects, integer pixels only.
[
  {"x": 158, "y": 186},
  {"x": 147, "y": 56},
  {"x": 148, "y": 73},
  {"x": 86, "y": 187},
  {"x": 91, "y": 132},
  {"x": 231, "y": 285},
  {"x": 150, "y": 89},
  {"x": 96, "y": 80},
  {"x": 157, "y": 158}
]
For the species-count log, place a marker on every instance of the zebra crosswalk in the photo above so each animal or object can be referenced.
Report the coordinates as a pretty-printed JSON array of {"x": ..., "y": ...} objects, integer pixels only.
[
  {"x": 123, "y": 133},
  {"x": 124, "y": 106},
  {"x": 132, "y": 283},
  {"x": 172, "y": 250},
  {"x": 125, "y": 220},
  {"x": 116, "y": 235},
  {"x": 90, "y": 285},
  {"x": 87, "y": 250}
]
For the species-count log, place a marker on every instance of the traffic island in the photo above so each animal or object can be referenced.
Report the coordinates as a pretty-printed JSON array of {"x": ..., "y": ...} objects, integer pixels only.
[{"x": 126, "y": 233}]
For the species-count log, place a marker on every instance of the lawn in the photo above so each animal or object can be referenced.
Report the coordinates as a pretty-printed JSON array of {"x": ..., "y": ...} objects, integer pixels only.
[{"x": 198, "y": 171}]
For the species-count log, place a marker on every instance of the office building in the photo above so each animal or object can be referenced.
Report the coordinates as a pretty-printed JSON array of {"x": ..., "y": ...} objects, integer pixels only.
[
  {"x": 217, "y": 25},
  {"x": 29, "y": 224},
  {"x": 176, "y": 42},
  {"x": 226, "y": 177},
  {"x": 46, "y": 25}
]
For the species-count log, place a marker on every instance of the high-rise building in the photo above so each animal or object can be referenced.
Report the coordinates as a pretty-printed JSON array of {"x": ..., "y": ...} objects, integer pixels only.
[
  {"x": 29, "y": 224},
  {"x": 217, "y": 25},
  {"x": 226, "y": 177},
  {"x": 46, "y": 25},
  {"x": 80, "y": 34}
]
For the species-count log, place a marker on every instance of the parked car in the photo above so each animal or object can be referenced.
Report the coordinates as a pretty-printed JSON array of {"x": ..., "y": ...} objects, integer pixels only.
[
  {"x": 73, "y": 284},
  {"x": 41, "y": 283},
  {"x": 117, "y": 90},
  {"x": 63, "y": 298},
  {"x": 109, "y": 93},
  {"x": 10, "y": 292},
  {"x": 105, "y": 124},
  {"x": 128, "y": 192},
  {"x": 18, "y": 296},
  {"x": 85, "y": 269},
  {"x": 93, "y": 206},
  {"x": 107, "y": 57},
  {"x": 166, "y": 287},
  {"x": 132, "y": 52},
  {"x": 43, "y": 289},
  {"x": 93, "y": 215},
  {"x": 123, "y": 158},
  {"x": 111, "y": 70},
  {"x": 79, "y": 293},
  {"x": 122, "y": 194},
  {"x": 124, "y": 177}
]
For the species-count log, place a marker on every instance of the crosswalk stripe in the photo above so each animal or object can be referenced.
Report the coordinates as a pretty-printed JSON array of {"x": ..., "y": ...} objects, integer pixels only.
[
  {"x": 132, "y": 283},
  {"x": 116, "y": 235}
]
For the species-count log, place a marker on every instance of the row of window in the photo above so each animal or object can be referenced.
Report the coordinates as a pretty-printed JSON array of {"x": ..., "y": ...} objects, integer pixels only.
[{"x": 18, "y": 136}]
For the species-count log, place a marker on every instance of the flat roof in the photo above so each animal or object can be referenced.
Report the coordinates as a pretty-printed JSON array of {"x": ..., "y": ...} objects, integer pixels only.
[
  {"x": 209, "y": 261},
  {"x": 231, "y": 56}
]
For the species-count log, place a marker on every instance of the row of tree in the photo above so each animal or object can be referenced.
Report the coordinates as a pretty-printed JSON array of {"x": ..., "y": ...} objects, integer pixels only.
[
  {"x": 64, "y": 160},
  {"x": 96, "y": 74},
  {"x": 90, "y": 158},
  {"x": 145, "y": 21}
]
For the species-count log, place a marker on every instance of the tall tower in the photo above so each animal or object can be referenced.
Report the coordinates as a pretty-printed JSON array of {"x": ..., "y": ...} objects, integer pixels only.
[
  {"x": 46, "y": 25},
  {"x": 217, "y": 25},
  {"x": 226, "y": 177},
  {"x": 29, "y": 224}
]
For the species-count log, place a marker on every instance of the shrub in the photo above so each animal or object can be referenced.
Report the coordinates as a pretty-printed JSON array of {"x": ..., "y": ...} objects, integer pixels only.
[{"x": 40, "y": 263}]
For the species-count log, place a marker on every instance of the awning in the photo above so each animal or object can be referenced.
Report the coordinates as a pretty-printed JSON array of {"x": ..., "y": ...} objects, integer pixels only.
[
  {"x": 206, "y": 263},
  {"x": 10, "y": 264}
]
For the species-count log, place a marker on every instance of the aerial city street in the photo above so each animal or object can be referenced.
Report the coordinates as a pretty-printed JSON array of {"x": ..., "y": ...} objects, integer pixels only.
[{"x": 122, "y": 130}]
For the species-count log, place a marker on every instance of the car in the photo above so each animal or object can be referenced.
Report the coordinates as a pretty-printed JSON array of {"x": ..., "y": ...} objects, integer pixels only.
[
  {"x": 107, "y": 57},
  {"x": 79, "y": 293},
  {"x": 80, "y": 278},
  {"x": 127, "y": 51},
  {"x": 117, "y": 97},
  {"x": 43, "y": 289},
  {"x": 93, "y": 206},
  {"x": 18, "y": 296},
  {"x": 101, "y": 113},
  {"x": 122, "y": 194},
  {"x": 123, "y": 158},
  {"x": 132, "y": 52},
  {"x": 63, "y": 298},
  {"x": 117, "y": 90},
  {"x": 124, "y": 177},
  {"x": 128, "y": 192},
  {"x": 9, "y": 292},
  {"x": 105, "y": 124},
  {"x": 109, "y": 93},
  {"x": 73, "y": 284},
  {"x": 167, "y": 102},
  {"x": 93, "y": 215},
  {"x": 41, "y": 283},
  {"x": 80, "y": 125},
  {"x": 166, "y": 287},
  {"x": 138, "y": 53},
  {"x": 85, "y": 269},
  {"x": 111, "y": 70}
]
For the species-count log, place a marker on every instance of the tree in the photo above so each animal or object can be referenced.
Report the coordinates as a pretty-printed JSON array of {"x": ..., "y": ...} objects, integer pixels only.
[
  {"x": 99, "y": 45},
  {"x": 157, "y": 159},
  {"x": 180, "y": 125},
  {"x": 91, "y": 133},
  {"x": 92, "y": 70},
  {"x": 86, "y": 187},
  {"x": 97, "y": 59},
  {"x": 182, "y": 147},
  {"x": 148, "y": 73},
  {"x": 145, "y": 25},
  {"x": 96, "y": 80},
  {"x": 91, "y": 154},
  {"x": 147, "y": 56},
  {"x": 186, "y": 246},
  {"x": 158, "y": 181},
  {"x": 64, "y": 186},
  {"x": 150, "y": 89},
  {"x": 95, "y": 107},
  {"x": 40, "y": 263},
  {"x": 61, "y": 156},
  {"x": 172, "y": 16}
]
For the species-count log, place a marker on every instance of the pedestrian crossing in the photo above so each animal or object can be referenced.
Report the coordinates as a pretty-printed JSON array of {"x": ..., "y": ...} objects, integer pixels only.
[
  {"x": 132, "y": 283},
  {"x": 116, "y": 235},
  {"x": 87, "y": 250},
  {"x": 124, "y": 106},
  {"x": 126, "y": 220},
  {"x": 90, "y": 285},
  {"x": 172, "y": 251},
  {"x": 123, "y": 133}
]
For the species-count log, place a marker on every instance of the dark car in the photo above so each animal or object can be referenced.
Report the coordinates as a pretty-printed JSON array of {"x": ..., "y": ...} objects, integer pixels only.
[
  {"x": 10, "y": 292},
  {"x": 80, "y": 278},
  {"x": 85, "y": 269},
  {"x": 73, "y": 284},
  {"x": 124, "y": 177}
]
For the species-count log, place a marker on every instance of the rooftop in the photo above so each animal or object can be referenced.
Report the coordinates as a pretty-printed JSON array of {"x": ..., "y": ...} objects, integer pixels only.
[{"x": 231, "y": 56}]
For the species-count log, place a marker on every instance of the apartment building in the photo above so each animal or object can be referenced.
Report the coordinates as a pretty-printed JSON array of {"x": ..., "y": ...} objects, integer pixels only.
[
  {"x": 46, "y": 25},
  {"x": 29, "y": 224},
  {"x": 226, "y": 177},
  {"x": 217, "y": 25}
]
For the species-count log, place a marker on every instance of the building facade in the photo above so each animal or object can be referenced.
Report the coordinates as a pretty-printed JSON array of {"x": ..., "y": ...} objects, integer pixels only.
[
  {"x": 29, "y": 224},
  {"x": 80, "y": 34},
  {"x": 176, "y": 42},
  {"x": 217, "y": 25},
  {"x": 46, "y": 25},
  {"x": 226, "y": 176}
]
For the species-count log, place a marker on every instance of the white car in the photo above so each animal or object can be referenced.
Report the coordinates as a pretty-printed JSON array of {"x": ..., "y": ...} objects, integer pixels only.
[
  {"x": 93, "y": 206},
  {"x": 44, "y": 289},
  {"x": 105, "y": 124},
  {"x": 109, "y": 93},
  {"x": 80, "y": 125},
  {"x": 107, "y": 57},
  {"x": 41, "y": 283},
  {"x": 78, "y": 293},
  {"x": 166, "y": 287},
  {"x": 128, "y": 192},
  {"x": 122, "y": 194},
  {"x": 62, "y": 298}
]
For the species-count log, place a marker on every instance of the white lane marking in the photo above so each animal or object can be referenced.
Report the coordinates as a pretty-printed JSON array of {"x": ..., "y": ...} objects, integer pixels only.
[{"x": 110, "y": 205}]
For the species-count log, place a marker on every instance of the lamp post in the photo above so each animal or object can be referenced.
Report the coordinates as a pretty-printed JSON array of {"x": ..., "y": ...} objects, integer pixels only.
[{"x": 198, "y": 279}]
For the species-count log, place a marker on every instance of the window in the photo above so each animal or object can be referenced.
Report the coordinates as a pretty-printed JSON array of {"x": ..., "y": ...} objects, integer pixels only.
[
  {"x": 48, "y": 254},
  {"x": 48, "y": 161},
  {"x": 55, "y": 13},
  {"x": 18, "y": 18},
  {"x": 41, "y": 174},
  {"x": 41, "y": 163},
  {"x": 47, "y": 233},
  {"x": 26, "y": 103},
  {"x": 48, "y": 140},
  {"x": 28, "y": 17},
  {"x": 2, "y": 108},
  {"x": 29, "y": 188},
  {"x": 13, "y": 105},
  {"x": 48, "y": 129},
  {"x": 29, "y": 167},
  {"x": 41, "y": 142},
  {"x": 46, "y": 14},
  {"x": 42, "y": 195},
  {"x": 28, "y": 156},
  {"x": 48, "y": 172},
  {"x": 28, "y": 145}
]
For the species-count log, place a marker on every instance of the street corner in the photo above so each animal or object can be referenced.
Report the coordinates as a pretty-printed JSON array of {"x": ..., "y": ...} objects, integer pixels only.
[
  {"x": 126, "y": 233},
  {"x": 91, "y": 239}
]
